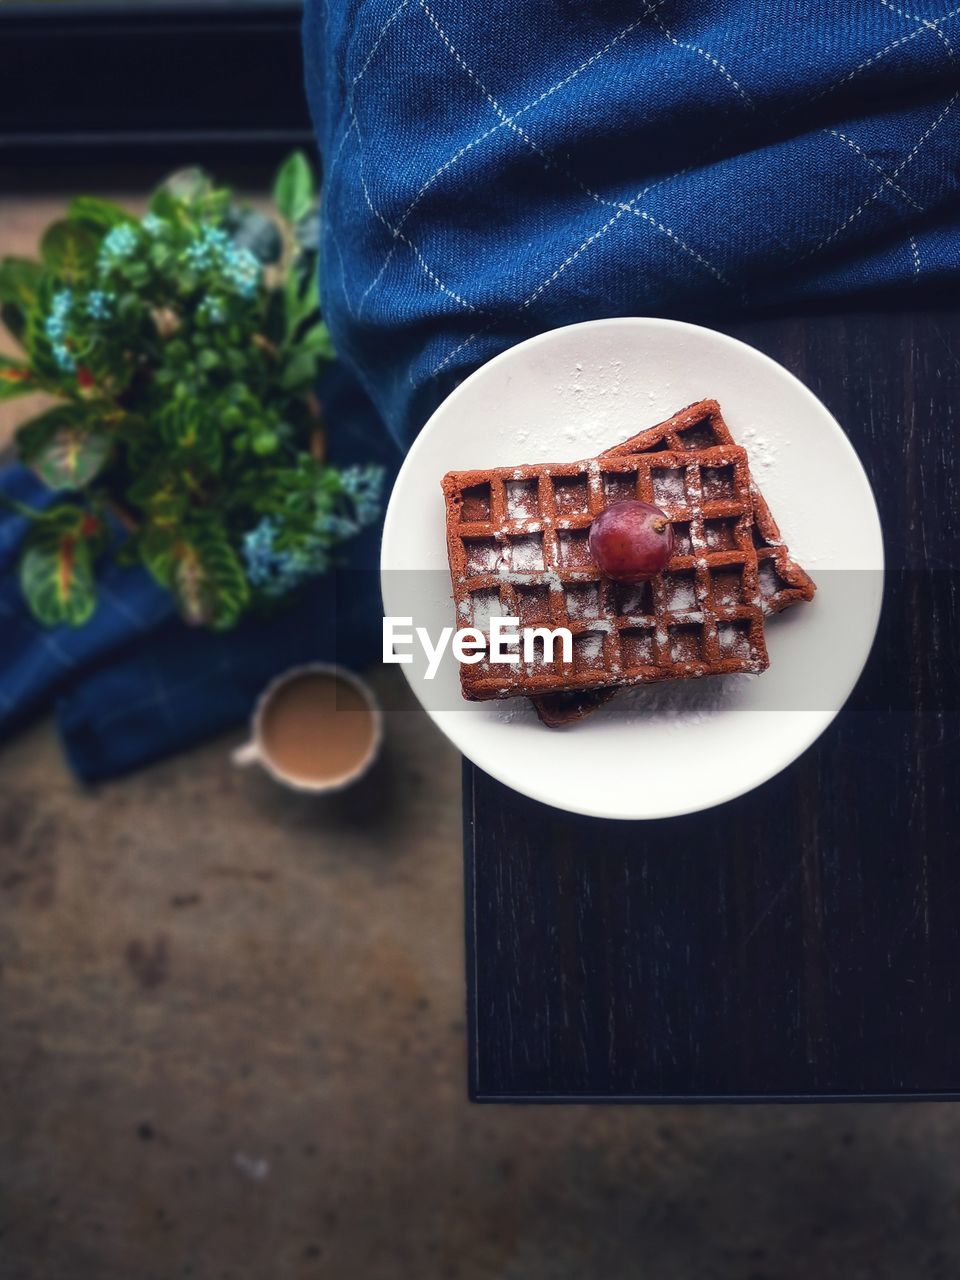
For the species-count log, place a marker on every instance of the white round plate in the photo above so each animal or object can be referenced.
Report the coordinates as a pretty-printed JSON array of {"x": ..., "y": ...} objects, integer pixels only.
[{"x": 666, "y": 749}]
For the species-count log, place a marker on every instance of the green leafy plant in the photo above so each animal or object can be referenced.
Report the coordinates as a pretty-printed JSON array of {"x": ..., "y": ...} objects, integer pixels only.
[{"x": 182, "y": 349}]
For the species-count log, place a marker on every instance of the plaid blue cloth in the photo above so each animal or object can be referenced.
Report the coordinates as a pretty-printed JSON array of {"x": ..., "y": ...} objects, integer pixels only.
[
  {"x": 135, "y": 684},
  {"x": 37, "y": 662},
  {"x": 496, "y": 169}
]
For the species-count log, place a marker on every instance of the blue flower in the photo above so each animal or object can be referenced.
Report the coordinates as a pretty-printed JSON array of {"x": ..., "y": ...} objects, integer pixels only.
[
  {"x": 99, "y": 305},
  {"x": 241, "y": 269},
  {"x": 363, "y": 485},
  {"x": 275, "y": 571},
  {"x": 211, "y": 311},
  {"x": 340, "y": 528},
  {"x": 214, "y": 251},
  {"x": 153, "y": 225},
  {"x": 207, "y": 250},
  {"x": 119, "y": 244},
  {"x": 63, "y": 357},
  {"x": 56, "y": 328},
  {"x": 360, "y": 486},
  {"x": 56, "y": 322},
  {"x": 270, "y": 570}
]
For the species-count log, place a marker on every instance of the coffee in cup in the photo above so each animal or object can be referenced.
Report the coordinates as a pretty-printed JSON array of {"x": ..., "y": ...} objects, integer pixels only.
[{"x": 316, "y": 728}]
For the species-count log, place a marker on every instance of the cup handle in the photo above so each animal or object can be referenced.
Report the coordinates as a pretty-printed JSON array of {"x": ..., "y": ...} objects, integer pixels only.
[{"x": 246, "y": 755}]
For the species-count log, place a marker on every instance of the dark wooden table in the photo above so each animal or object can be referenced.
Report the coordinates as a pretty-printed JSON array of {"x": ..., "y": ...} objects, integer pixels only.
[{"x": 801, "y": 942}]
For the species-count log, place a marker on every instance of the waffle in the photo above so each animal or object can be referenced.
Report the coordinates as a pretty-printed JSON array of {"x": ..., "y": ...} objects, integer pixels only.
[
  {"x": 782, "y": 581},
  {"x": 700, "y": 425},
  {"x": 517, "y": 546},
  {"x": 557, "y": 710}
]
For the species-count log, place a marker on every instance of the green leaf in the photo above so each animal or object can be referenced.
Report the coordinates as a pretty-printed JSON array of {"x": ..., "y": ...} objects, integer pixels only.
[
  {"x": 191, "y": 435},
  {"x": 204, "y": 574},
  {"x": 35, "y": 340},
  {"x": 137, "y": 273},
  {"x": 293, "y": 188},
  {"x": 56, "y": 573},
  {"x": 300, "y": 371},
  {"x": 31, "y": 436},
  {"x": 300, "y": 302},
  {"x": 73, "y": 457},
  {"x": 69, "y": 250},
  {"x": 20, "y": 285},
  {"x": 164, "y": 205},
  {"x": 317, "y": 341},
  {"x": 161, "y": 255},
  {"x": 165, "y": 502},
  {"x": 265, "y": 442},
  {"x": 157, "y": 548},
  {"x": 41, "y": 355},
  {"x": 20, "y": 282},
  {"x": 15, "y": 320},
  {"x": 65, "y": 451},
  {"x": 274, "y": 323},
  {"x": 129, "y": 307},
  {"x": 149, "y": 466},
  {"x": 213, "y": 206},
  {"x": 103, "y": 215},
  {"x": 16, "y": 379}
]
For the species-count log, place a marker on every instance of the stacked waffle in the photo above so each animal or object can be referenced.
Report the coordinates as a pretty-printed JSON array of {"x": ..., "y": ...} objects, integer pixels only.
[{"x": 517, "y": 541}]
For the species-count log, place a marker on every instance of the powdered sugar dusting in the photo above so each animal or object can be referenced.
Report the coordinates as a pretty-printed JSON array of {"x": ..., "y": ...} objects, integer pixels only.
[
  {"x": 486, "y": 605},
  {"x": 634, "y": 599},
  {"x": 514, "y": 710},
  {"x": 524, "y": 554},
  {"x": 668, "y": 488},
  {"x": 769, "y": 580},
  {"x": 762, "y": 454},
  {"x": 483, "y": 556},
  {"x": 682, "y": 595},
  {"x": 583, "y": 601},
  {"x": 734, "y": 640},
  {"x": 715, "y": 532},
  {"x": 589, "y": 646},
  {"x": 521, "y": 499},
  {"x": 592, "y": 391},
  {"x": 678, "y": 705}
]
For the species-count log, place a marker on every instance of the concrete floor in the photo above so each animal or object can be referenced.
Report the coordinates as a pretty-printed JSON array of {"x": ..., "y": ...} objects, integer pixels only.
[{"x": 232, "y": 1044}]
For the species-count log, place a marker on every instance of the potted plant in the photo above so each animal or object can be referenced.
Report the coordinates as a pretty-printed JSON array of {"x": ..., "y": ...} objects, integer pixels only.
[{"x": 182, "y": 349}]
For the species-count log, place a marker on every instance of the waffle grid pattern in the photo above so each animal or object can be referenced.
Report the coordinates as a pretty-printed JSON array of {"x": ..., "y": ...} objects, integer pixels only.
[
  {"x": 701, "y": 425},
  {"x": 517, "y": 543}
]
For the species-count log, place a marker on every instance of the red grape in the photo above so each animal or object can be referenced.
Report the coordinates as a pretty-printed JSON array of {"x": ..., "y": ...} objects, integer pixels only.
[{"x": 631, "y": 541}]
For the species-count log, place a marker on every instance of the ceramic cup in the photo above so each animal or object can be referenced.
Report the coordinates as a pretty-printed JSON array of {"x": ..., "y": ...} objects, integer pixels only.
[{"x": 316, "y": 728}]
